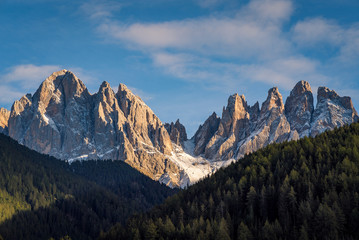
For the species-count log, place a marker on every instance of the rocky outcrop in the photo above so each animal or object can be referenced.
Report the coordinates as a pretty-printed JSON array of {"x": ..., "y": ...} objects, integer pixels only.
[
  {"x": 177, "y": 132},
  {"x": 299, "y": 108},
  {"x": 331, "y": 111},
  {"x": 64, "y": 120},
  {"x": 4, "y": 119},
  {"x": 244, "y": 129},
  {"x": 271, "y": 126},
  {"x": 232, "y": 127},
  {"x": 205, "y": 132}
]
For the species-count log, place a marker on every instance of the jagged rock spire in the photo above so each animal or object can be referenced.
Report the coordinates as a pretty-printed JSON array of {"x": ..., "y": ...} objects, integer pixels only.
[
  {"x": 299, "y": 108},
  {"x": 177, "y": 132},
  {"x": 205, "y": 132},
  {"x": 4, "y": 119},
  {"x": 64, "y": 120},
  {"x": 331, "y": 111},
  {"x": 274, "y": 101}
]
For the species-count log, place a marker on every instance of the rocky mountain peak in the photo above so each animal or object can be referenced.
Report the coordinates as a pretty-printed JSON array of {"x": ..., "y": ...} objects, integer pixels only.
[
  {"x": 299, "y": 108},
  {"x": 332, "y": 111},
  {"x": 62, "y": 86},
  {"x": 325, "y": 93},
  {"x": 236, "y": 110},
  {"x": 106, "y": 93},
  {"x": 237, "y": 106},
  {"x": 205, "y": 132},
  {"x": 177, "y": 132},
  {"x": 123, "y": 90},
  {"x": 127, "y": 99},
  {"x": 19, "y": 105},
  {"x": 273, "y": 101},
  {"x": 64, "y": 120},
  {"x": 301, "y": 87},
  {"x": 104, "y": 85},
  {"x": 4, "y": 119}
]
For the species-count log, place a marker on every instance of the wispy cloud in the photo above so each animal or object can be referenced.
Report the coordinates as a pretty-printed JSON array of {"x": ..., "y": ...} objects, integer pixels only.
[
  {"x": 315, "y": 32},
  {"x": 252, "y": 45},
  {"x": 9, "y": 94},
  {"x": 28, "y": 75},
  {"x": 97, "y": 9},
  {"x": 254, "y": 32},
  {"x": 18, "y": 80},
  {"x": 187, "y": 49}
]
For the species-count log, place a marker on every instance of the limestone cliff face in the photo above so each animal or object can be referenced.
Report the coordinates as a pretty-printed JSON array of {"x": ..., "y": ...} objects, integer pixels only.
[
  {"x": 177, "y": 132},
  {"x": 205, "y": 132},
  {"x": 271, "y": 126},
  {"x": 232, "y": 127},
  {"x": 299, "y": 108},
  {"x": 4, "y": 119},
  {"x": 331, "y": 111},
  {"x": 64, "y": 120},
  {"x": 244, "y": 129}
]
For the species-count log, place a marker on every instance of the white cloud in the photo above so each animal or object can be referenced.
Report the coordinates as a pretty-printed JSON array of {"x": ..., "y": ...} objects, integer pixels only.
[
  {"x": 349, "y": 52},
  {"x": 267, "y": 10},
  {"x": 254, "y": 32},
  {"x": 21, "y": 79},
  {"x": 96, "y": 9},
  {"x": 315, "y": 31},
  {"x": 213, "y": 75},
  {"x": 18, "y": 80},
  {"x": 8, "y": 95},
  {"x": 28, "y": 75},
  {"x": 285, "y": 72},
  {"x": 253, "y": 45}
]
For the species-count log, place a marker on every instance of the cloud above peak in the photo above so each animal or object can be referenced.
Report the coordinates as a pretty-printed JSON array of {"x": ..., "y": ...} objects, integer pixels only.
[
  {"x": 258, "y": 43},
  {"x": 268, "y": 10},
  {"x": 240, "y": 36}
]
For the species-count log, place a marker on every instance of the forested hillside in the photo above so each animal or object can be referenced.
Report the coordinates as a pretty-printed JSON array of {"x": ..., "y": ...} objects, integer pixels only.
[
  {"x": 306, "y": 189},
  {"x": 42, "y": 197}
]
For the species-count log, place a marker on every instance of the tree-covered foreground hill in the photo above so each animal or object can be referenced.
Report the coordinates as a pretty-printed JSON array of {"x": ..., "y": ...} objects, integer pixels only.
[
  {"x": 42, "y": 197},
  {"x": 306, "y": 189}
]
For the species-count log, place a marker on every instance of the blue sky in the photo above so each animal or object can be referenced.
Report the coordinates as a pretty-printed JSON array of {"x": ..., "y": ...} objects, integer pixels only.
[{"x": 184, "y": 58}]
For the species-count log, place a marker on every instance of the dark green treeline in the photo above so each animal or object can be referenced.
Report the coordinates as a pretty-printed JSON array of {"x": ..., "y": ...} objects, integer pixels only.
[
  {"x": 42, "y": 197},
  {"x": 306, "y": 189}
]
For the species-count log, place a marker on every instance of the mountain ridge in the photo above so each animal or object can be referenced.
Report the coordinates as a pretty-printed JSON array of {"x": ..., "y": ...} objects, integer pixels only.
[
  {"x": 276, "y": 121},
  {"x": 66, "y": 121}
]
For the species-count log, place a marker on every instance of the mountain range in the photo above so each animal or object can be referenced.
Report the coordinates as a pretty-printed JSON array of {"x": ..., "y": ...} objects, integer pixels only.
[{"x": 63, "y": 119}]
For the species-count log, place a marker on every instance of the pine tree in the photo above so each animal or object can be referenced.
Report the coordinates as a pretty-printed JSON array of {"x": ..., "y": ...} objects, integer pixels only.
[
  {"x": 223, "y": 233},
  {"x": 243, "y": 232}
]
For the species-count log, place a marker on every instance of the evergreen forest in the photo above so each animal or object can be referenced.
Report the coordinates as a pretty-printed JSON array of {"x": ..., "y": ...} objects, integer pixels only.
[
  {"x": 45, "y": 198},
  {"x": 306, "y": 189}
]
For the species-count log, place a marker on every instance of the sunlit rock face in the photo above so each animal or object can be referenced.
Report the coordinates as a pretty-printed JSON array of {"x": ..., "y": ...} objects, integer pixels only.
[
  {"x": 64, "y": 120},
  {"x": 244, "y": 129},
  {"x": 331, "y": 111},
  {"x": 4, "y": 119}
]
